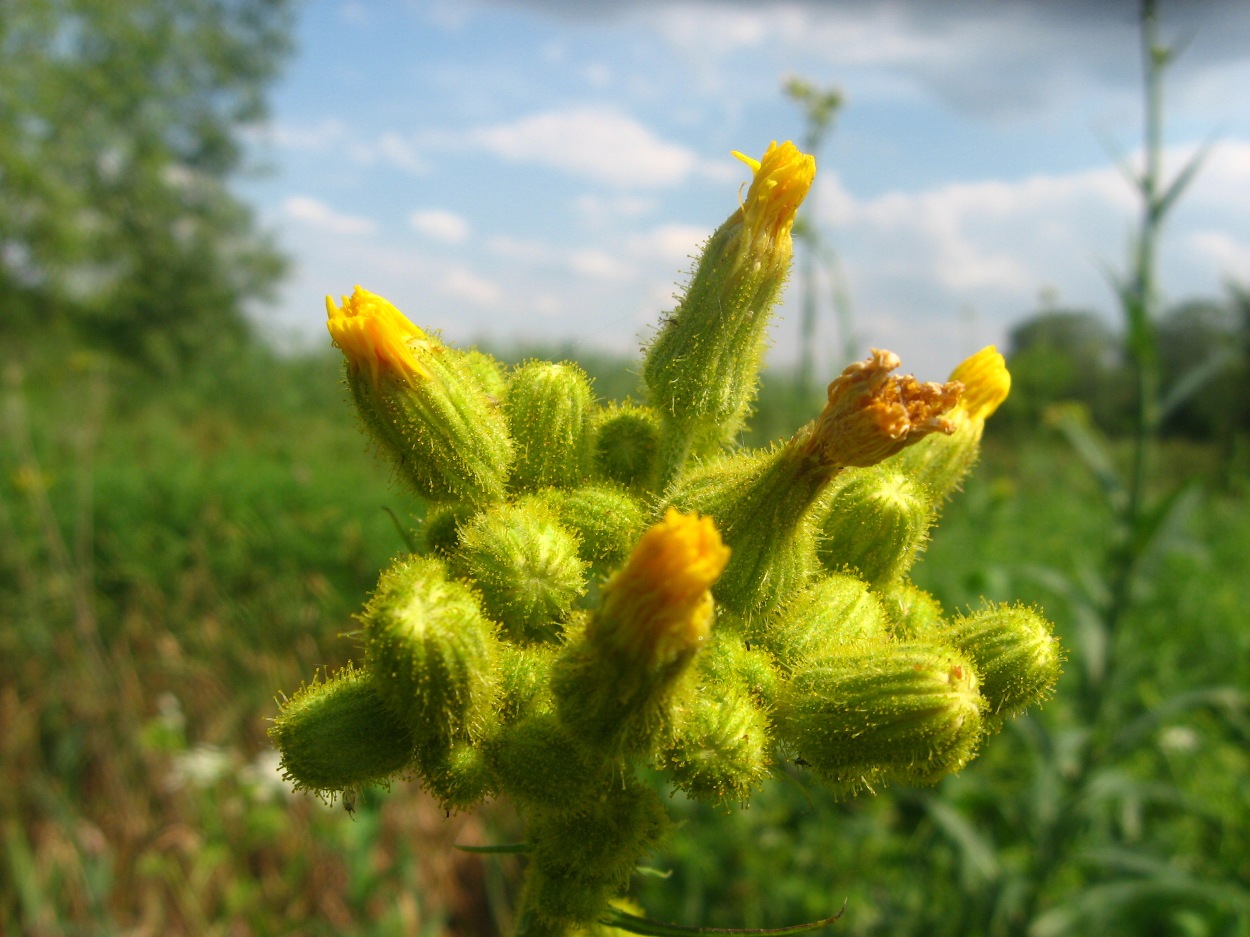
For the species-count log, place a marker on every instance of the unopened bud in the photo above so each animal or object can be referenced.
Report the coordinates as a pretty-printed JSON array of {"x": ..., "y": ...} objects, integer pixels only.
[
  {"x": 525, "y": 566},
  {"x": 876, "y": 525},
  {"x": 430, "y": 650},
  {"x": 914, "y": 613},
  {"x": 613, "y": 682},
  {"x": 337, "y": 734},
  {"x": 422, "y": 402},
  {"x": 835, "y": 611},
  {"x": 627, "y": 441},
  {"x": 720, "y": 750},
  {"x": 605, "y": 519},
  {"x": 456, "y": 775},
  {"x": 1014, "y": 652},
  {"x": 538, "y": 763},
  {"x": 549, "y": 410},
  {"x": 702, "y": 369},
  {"x": 885, "y": 712}
]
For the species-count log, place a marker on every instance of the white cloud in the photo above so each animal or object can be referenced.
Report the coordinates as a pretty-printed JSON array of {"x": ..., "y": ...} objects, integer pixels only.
[
  {"x": 445, "y": 226},
  {"x": 317, "y": 214},
  {"x": 597, "y": 143},
  {"x": 598, "y": 264},
  {"x": 599, "y": 207},
  {"x": 1226, "y": 257},
  {"x": 671, "y": 244},
  {"x": 316, "y": 138},
  {"x": 460, "y": 283}
]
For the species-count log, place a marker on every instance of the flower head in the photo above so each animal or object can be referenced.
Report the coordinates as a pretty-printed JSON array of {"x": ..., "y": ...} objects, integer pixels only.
[
  {"x": 871, "y": 415},
  {"x": 986, "y": 383},
  {"x": 782, "y": 178},
  {"x": 375, "y": 336},
  {"x": 659, "y": 603}
]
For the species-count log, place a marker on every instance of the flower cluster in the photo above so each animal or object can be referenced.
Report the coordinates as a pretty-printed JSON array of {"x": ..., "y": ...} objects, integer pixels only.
[{"x": 605, "y": 587}]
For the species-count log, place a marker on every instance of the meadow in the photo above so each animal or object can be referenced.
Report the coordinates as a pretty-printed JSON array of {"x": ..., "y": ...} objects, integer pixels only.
[{"x": 175, "y": 553}]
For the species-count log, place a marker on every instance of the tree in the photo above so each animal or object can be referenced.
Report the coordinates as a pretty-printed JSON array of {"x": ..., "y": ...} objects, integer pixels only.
[
  {"x": 120, "y": 128},
  {"x": 1064, "y": 355},
  {"x": 1203, "y": 339}
]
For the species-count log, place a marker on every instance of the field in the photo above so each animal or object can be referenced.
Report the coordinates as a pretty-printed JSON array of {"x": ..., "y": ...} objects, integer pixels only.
[{"x": 173, "y": 555}]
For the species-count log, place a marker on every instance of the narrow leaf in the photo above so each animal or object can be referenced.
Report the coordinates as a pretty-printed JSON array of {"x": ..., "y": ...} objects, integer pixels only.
[{"x": 614, "y": 917}]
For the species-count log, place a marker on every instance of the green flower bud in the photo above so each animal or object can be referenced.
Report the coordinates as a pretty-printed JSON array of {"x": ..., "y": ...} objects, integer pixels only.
[
  {"x": 883, "y": 712},
  {"x": 489, "y": 373},
  {"x": 441, "y": 529},
  {"x": 627, "y": 441},
  {"x": 422, "y": 402},
  {"x": 525, "y": 566},
  {"x": 702, "y": 369},
  {"x": 1014, "y": 652},
  {"x": 539, "y": 764},
  {"x": 524, "y": 679},
  {"x": 914, "y": 613},
  {"x": 940, "y": 463},
  {"x": 549, "y": 409},
  {"x": 606, "y": 520},
  {"x": 876, "y": 524},
  {"x": 731, "y": 659},
  {"x": 456, "y": 775},
  {"x": 835, "y": 611},
  {"x": 615, "y": 684},
  {"x": 336, "y": 734},
  {"x": 430, "y": 649},
  {"x": 719, "y": 750}
]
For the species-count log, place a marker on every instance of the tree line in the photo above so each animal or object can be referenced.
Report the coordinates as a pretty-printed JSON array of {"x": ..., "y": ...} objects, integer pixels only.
[{"x": 1062, "y": 355}]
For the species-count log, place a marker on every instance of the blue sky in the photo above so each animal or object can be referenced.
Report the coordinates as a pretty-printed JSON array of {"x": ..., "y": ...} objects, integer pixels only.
[{"x": 544, "y": 170}]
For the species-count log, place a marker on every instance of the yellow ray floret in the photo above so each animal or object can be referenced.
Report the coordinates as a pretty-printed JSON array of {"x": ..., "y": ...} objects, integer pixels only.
[
  {"x": 871, "y": 415},
  {"x": 986, "y": 383},
  {"x": 782, "y": 179},
  {"x": 375, "y": 336},
  {"x": 660, "y": 597}
]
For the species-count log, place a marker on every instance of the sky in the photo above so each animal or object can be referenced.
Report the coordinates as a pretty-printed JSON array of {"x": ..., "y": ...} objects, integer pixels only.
[{"x": 544, "y": 171}]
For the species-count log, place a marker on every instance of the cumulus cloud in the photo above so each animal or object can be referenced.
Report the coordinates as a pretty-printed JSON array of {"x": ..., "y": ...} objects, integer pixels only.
[
  {"x": 314, "y": 213},
  {"x": 597, "y": 143},
  {"x": 445, "y": 226},
  {"x": 461, "y": 283}
]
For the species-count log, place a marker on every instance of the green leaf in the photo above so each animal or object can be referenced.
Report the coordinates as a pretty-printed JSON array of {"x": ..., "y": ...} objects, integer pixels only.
[
  {"x": 501, "y": 848},
  {"x": 1074, "y": 424},
  {"x": 1181, "y": 182},
  {"x": 614, "y": 917},
  {"x": 978, "y": 852},
  {"x": 1197, "y": 378}
]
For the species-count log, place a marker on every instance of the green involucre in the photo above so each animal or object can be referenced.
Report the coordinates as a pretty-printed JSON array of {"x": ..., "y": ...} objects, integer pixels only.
[
  {"x": 336, "y": 733},
  {"x": 430, "y": 650},
  {"x": 525, "y": 566},
  {"x": 549, "y": 409}
]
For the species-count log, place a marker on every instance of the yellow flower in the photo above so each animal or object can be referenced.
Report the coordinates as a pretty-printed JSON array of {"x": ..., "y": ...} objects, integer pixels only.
[
  {"x": 782, "y": 179},
  {"x": 659, "y": 603},
  {"x": 986, "y": 383},
  {"x": 375, "y": 336},
  {"x": 871, "y": 415}
]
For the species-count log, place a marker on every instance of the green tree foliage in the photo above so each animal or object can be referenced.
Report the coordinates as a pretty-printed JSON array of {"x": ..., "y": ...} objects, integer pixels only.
[
  {"x": 119, "y": 129},
  {"x": 1064, "y": 355},
  {"x": 1206, "y": 339}
]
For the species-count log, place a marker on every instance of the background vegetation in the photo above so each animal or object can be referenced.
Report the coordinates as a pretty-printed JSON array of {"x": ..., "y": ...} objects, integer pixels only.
[{"x": 187, "y": 523}]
